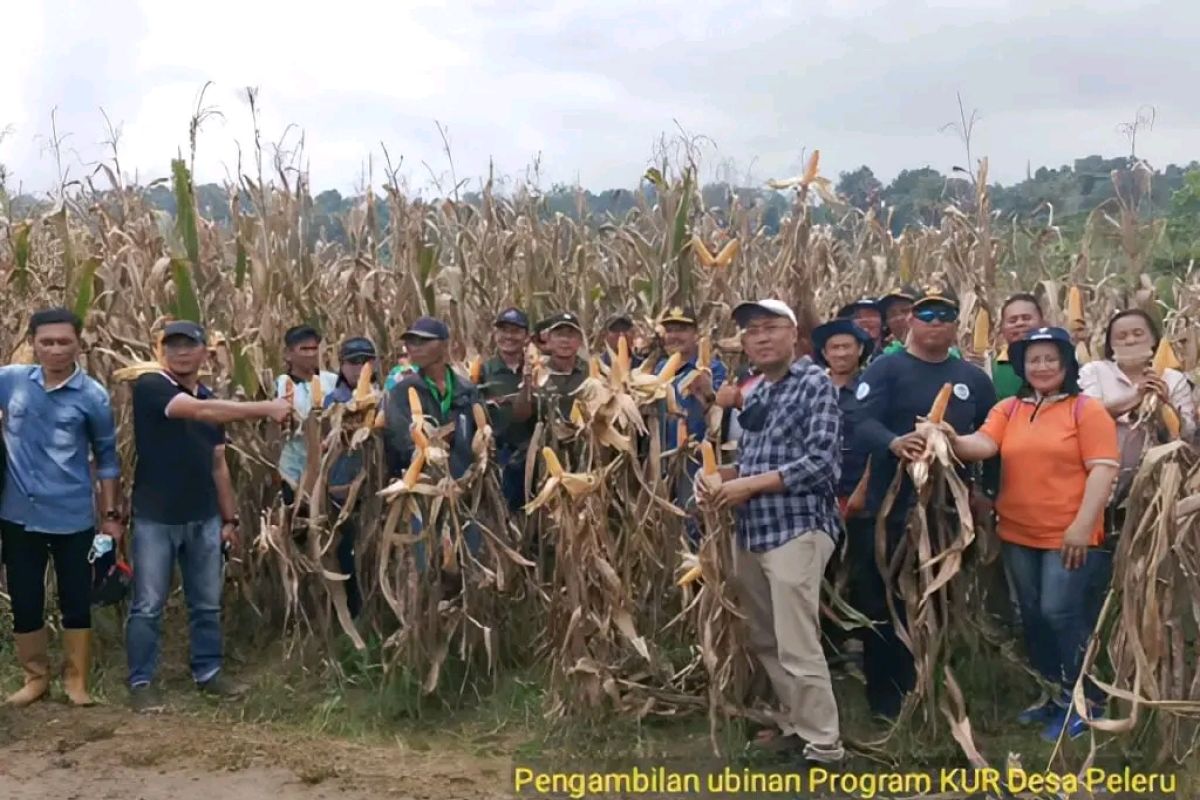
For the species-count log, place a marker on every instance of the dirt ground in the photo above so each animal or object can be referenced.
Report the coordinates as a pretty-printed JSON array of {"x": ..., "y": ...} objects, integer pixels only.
[{"x": 52, "y": 751}]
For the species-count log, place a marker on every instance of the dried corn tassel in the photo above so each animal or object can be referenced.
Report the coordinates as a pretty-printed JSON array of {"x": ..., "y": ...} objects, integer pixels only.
[{"x": 937, "y": 411}]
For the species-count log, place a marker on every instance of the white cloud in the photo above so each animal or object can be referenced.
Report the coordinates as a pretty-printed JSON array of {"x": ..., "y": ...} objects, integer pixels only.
[{"x": 591, "y": 86}]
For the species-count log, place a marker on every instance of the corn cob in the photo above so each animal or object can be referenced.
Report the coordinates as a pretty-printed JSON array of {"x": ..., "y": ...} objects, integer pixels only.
[
  {"x": 1074, "y": 307},
  {"x": 476, "y": 370},
  {"x": 703, "y": 254},
  {"x": 414, "y": 405},
  {"x": 706, "y": 357},
  {"x": 362, "y": 390},
  {"x": 691, "y": 576},
  {"x": 594, "y": 368},
  {"x": 811, "y": 168},
  {"x": 983, "y": 331},
  {"x": 708, "y": 457},
  {"x": 1164, "y": 358},
  {"x": 317, "y": 392},
  {"x": 289, "y": 391},
  {"x": 937, "y": 411},
  {"x": 553, "y": 465},
  {"x": 670, "y": 368},
  {"x": 623, "y": 361},
  {"x": 413, "y": 473},
  {"x": 576, "y": 414},
  {"x": 481, "y": 420},
  {"x": 728, "y": 253}
]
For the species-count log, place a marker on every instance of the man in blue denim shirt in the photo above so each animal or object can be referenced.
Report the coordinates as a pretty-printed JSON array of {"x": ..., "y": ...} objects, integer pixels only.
[
  {"x": 55, "y": 416},
  {"x": 782, "y": 493},
  {"x": 184, "y": 508}
]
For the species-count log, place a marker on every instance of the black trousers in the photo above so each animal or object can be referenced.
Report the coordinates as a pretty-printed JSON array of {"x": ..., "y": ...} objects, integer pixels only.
[
  {"x": 25, "y": 556},
  {"x": 887, "y": 664},
  {"x": 345, "y": 546}
]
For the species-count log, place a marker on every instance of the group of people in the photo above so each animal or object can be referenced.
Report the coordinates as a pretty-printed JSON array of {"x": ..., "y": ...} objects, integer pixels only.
[{"x": 820, "y": 438}]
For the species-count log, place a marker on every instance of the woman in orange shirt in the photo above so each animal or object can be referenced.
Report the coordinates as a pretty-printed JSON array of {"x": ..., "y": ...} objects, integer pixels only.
[{"x": 1060, "y": 457}]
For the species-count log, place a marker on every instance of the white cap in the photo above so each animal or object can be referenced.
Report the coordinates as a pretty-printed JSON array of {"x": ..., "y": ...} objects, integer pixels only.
[{"x": 776, "y": 308}]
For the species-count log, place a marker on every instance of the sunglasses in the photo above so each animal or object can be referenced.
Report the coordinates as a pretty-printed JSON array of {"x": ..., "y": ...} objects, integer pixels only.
[
  {"x": 942, "y": 314},
  {"x": 357, "y": 360}
]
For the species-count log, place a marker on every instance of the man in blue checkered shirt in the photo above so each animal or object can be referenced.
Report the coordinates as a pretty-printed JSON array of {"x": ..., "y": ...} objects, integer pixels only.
[{"x": 783, "y": 494}]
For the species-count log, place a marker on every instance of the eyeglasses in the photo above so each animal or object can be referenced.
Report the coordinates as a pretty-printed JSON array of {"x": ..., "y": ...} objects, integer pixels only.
[
  {"x": 931, "y": 315},
  {"x": 357, "y": 360}
]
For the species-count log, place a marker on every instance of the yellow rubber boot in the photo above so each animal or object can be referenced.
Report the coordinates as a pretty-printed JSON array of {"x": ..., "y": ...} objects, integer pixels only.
[
  {"x": 34, "y": 657},
  {"x": 77, "y": 646}
]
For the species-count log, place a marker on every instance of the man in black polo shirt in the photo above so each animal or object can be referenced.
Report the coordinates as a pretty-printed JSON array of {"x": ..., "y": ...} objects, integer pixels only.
[
  {"x": 508, "y": 391},
  {"x": 183, "y": 508}
]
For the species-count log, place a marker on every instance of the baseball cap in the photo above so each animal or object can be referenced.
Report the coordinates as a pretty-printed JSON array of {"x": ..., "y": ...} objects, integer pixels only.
[
  {"x": 776, "y": 308},
  {"x": 427, "y": 328},
  {"x": 619, "y": 320},
  {"x": 679, "y": 314},
  {"x": 185, "y": 328},
  {"x": 869, "y": 303},
  {"x": 357, "y": 346},
  {"x": 513, "y": 316},
  {"x": 936, "y": 294},
  {"x": 300, "y": 333},
  {"x": 907, "y": 293},
  {"x": 563, "y": 319}
]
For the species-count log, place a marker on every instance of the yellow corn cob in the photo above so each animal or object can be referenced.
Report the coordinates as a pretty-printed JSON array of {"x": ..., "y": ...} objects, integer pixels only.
[
  {"x": 1164, "y": 358},
  {"x": 983, "y": 331},
  {"x": 414, "y": 404},
  {"x": 708, "y": 458},
  {"x": 576, "y": 414},
  {"x": 703, "y": 254},
  {"x": 671, "y": 367},
  {"x": 476, "y": 370},
  {"x": 363, "y": 391},
  {"x": 705, "y": 351},
  {"x": 1074, "y": 306},
  {"x": 289, "y": 391},
  {"x": 481, "y": 420},
  {"x": 317, "y": 392},
  {"x": 623, "y": 355},
  {"x": 413, "y": 473},
  {"x": 810, "y": 169},
  {"x": 728, "y": 253},
  {"x": 1170, "y": 420},
  {"x": 691, "y": 576},
  {"x": 553, "y": 465},
  {"x": 594, "y": 368},
  {"x": 938, "y": 410}
]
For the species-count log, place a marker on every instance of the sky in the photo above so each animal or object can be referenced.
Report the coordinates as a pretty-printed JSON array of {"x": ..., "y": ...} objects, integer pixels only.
[{"x": 565, "y": 91}]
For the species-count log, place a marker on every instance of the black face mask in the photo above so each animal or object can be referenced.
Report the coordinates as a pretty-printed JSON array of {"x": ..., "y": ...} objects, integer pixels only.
[{"x": 753, "y": 416}]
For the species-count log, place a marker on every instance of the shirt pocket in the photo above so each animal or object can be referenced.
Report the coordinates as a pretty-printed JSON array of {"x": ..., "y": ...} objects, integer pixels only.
[
  {"x": 15, "y": 414},
  {"x": 68, "y": 425}
]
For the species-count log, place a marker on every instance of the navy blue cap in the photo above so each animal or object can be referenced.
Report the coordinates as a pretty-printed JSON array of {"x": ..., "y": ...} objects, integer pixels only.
[
  {"x": 428, "y": 328},
  {"x": 620, "y": 320},
  {"x": 185, "y": 328},
  {"x": 513, "y": 316},
  {"x": 357, "y": 346},
  {"x": 1059, "y": 336},
  {"x": 823, "y": 333},
  {"x": 869, "y": 303},
  {"x": 300, "y": 333}
]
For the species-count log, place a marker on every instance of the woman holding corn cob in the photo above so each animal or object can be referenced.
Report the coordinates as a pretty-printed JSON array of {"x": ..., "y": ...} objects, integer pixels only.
[{"x": 1060, "y": 459}]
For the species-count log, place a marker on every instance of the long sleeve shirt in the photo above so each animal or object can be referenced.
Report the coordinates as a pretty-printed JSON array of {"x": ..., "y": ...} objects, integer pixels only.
[
  {"x": 294, "y": 455},
  {"x": 792, "y": 426},
  {"x": 49, "y": 436}
]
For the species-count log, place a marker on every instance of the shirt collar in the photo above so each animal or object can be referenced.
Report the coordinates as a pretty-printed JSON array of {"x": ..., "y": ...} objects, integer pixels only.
[{"x": 38, "y": 376}]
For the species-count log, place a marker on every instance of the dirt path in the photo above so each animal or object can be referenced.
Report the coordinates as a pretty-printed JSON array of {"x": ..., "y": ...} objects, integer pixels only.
[{"x": 100, "y": 753}]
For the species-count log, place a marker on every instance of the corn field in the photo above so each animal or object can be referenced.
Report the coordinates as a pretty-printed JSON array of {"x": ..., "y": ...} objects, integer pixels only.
[{"x": 587, "y": 583}]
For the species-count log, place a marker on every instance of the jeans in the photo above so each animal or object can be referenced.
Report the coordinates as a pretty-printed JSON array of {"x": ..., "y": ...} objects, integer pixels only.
[
  {"x": 1058, "y": 610},
  {"x": 887, "y": 663},
  {"x": 156, "y": 546},
  {"x": 25, "y": 556},
  {"x": 345, "y": 555}
]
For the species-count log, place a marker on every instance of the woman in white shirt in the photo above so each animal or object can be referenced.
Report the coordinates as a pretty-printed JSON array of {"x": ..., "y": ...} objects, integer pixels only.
[{"x": 1121, "y": 384}]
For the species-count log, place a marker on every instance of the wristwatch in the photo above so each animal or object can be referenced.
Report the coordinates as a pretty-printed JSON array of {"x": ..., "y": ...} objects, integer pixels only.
[
  {"x": 114, "y": 516},
  {"x": 234, "y": 521}
]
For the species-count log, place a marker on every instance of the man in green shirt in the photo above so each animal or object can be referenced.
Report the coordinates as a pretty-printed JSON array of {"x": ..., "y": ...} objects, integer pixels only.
[
  {"x": 564, "y": 338},
  {"x": 507, "y": 390},
  {"x": 1020, "y": 314}
]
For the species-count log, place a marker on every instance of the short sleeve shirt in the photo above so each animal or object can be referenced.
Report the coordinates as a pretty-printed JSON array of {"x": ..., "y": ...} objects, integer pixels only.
[
  {"x": 173, "y": 480},
  {"x": 1046, "y": 448}
]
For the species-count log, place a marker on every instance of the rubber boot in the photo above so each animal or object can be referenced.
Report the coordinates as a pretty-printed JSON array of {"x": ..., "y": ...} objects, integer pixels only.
[
  {"x": 35, "y": 660},
  {"x": 77, "y": 647}
]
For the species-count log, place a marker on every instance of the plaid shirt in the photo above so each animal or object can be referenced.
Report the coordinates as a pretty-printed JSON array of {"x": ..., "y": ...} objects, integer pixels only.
[{"x": 792, "y": 426}]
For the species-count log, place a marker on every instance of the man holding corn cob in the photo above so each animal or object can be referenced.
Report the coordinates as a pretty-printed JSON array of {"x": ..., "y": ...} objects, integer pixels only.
[
  {"x": 783, "y": 493},
  {"x": 305, "y": 384},
  {"x": 184, "y": 509},
  {"x": 508, "y": 389},
  {"x": 892, "y": 393}
]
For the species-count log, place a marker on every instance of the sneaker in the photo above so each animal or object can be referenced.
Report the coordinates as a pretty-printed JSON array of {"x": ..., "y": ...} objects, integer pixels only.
[
  {"x": 146, "y": 699},
  {"x": 824, "y": 753},
  {"x": 1040, "y": 714},
  {"x": 221, "y": 685},
  {"x": 1069, "y": 719}
]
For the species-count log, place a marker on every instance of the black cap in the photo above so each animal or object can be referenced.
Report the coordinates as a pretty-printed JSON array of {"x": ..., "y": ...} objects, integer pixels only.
[
  {"x": 185, "y": 328},
  {"x": 564, "y": 319},
  {"x": 868, "y": 303},
  {"x": 908, "y": 293},
  {"x": 513, "y": 316},
  {"x": 300, "y": 333},
  {"x": 619, "y": 320},
  {"x": 823, "y": 333},
  {"x": 357, "y": 346},
  {"x": 1016, "y": 350},
  {"x": 936, "y": 294},
  {"x": 679, "y": 314},
  {"x": 428, "y": 328}
]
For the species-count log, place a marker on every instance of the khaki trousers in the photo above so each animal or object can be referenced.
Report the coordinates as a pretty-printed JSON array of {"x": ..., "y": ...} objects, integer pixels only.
[{"x": 780, "y": 594}]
